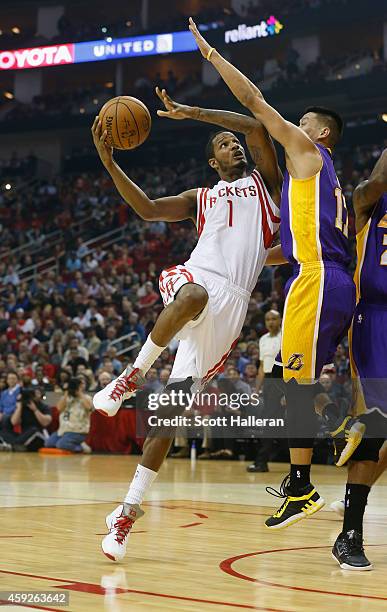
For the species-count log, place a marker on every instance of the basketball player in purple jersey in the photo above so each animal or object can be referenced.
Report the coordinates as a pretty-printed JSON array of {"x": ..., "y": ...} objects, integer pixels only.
[
  {"x": 321, "y": 296},
  {"x": 368, "y": 344},
  {"x": 206, "y": 299}
]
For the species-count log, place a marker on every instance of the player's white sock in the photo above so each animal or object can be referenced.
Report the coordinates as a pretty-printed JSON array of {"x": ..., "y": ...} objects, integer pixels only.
[
  {"x": 142, "y": 481},
  {"x": 148, "y": 355}
]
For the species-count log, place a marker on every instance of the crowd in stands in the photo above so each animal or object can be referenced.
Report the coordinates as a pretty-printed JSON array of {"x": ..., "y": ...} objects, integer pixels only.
[
  {"x": 277, "y": 76},
  {"x": 90, "y": 314},
  {"x": 88, "y": 100}
]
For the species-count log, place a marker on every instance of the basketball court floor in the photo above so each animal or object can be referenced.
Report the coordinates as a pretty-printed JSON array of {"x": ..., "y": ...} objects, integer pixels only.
[{"x": 201, "y": 545}]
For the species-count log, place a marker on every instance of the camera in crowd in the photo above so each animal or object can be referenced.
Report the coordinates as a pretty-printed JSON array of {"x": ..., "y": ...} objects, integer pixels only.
[{"x": 27, "y": 395}]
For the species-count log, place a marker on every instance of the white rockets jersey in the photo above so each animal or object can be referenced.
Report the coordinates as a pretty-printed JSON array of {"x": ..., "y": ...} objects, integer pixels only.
[{"x": 236, "y": 223}]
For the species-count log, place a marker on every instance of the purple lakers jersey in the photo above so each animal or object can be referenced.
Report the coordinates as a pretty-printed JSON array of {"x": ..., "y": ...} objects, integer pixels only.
[
  {"x": 371, "y": 271},
  {"x": 314, "y": 217}
]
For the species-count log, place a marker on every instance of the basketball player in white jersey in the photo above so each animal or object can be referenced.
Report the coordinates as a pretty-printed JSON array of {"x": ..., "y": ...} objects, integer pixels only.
[{"x": 205, "y": 299}]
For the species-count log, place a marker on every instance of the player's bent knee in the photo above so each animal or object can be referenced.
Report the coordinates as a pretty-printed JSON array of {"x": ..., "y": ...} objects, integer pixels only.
[{"x": 191, "y": 299}]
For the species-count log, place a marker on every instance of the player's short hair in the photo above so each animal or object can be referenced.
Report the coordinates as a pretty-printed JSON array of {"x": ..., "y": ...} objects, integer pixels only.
[
  {"x": 334, "y": 121},
  {"x": 210, "y": 153}
]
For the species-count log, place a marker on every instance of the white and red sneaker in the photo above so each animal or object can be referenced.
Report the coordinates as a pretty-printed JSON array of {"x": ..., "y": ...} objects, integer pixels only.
[
  {"x": 120, "y": 523},
  {"x": 338, "y": 507},
  {"x": 109, "y": 400}
]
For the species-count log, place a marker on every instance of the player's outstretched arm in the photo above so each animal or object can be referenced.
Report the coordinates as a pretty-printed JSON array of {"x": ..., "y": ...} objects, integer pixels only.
[
  {"x": 173, "y": 208},
  {"x": 258, "y": 140},
  {"x": 303, "y": 157},
  {"x": 367, "y": 193}
]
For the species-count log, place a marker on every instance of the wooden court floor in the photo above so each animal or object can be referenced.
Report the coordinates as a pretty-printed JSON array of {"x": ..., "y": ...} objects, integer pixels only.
[{"x": 201, "y": 545}]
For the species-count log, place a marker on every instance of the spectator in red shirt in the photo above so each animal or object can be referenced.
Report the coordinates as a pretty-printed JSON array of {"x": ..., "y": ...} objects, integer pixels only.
[{"x": 150, "y": 298}]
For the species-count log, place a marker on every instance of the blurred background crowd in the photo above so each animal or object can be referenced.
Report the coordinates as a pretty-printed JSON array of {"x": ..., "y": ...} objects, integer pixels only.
[
  {"x": 78, "y": 271},
  {"x": 79, "y": 283}
]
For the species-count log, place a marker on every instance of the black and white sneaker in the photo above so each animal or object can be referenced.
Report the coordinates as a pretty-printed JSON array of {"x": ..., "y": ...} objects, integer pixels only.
[
  {"x": 293, "y": 509},
  {"x": 349, "y": 552}
]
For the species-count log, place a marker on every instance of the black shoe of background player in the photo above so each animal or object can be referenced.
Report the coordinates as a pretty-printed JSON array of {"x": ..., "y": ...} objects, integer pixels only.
[
  {"x": 258, "y": 467},
  {"x": 346, "y": 438},
  {"x": 295, "y": 507},
  {"x": 349, "y": 552}
]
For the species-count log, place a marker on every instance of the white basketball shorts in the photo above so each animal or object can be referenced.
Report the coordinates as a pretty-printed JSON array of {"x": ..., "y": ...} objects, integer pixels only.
[{"x": 205, "y": 343}]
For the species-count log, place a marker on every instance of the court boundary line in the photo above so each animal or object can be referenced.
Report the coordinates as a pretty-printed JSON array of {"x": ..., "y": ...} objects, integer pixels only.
[{"x": 226, "y": 567}]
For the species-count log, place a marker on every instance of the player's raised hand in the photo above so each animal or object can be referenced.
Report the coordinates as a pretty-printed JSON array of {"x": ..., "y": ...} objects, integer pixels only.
[
  {"x": 174, "y": 110},
  {"x": 105, "y": 151},
  {"x": 201, "y": 42}
]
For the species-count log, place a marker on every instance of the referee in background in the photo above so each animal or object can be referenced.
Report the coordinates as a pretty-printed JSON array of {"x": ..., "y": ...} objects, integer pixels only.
[{"x": 269, "y": 347}]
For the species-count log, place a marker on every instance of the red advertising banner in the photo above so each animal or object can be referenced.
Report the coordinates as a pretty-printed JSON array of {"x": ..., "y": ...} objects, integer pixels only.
[{"x": 37, "y": 57}]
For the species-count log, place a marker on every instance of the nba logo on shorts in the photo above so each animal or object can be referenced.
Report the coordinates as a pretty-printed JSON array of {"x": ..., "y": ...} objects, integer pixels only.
[{"x": 295, "y": 362}]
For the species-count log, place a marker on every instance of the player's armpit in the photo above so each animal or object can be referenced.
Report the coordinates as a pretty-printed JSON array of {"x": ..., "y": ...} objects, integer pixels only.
[
  {"x": 174, "y": 208},
  {"x": 264, "y": 155}
]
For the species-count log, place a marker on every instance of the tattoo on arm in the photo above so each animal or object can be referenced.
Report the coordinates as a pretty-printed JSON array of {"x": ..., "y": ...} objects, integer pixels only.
[{"x": 256, "y": 154}]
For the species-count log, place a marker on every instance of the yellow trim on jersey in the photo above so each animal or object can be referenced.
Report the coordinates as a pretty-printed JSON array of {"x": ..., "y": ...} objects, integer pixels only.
[
  {"x": 303, "y": 196},
  {"x": 361, "y": 246},
  {"x": 301, "y": 322}
]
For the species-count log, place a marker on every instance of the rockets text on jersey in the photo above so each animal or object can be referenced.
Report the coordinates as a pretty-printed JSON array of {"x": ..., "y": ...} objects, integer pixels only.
[{"x": 236, "y": 224}]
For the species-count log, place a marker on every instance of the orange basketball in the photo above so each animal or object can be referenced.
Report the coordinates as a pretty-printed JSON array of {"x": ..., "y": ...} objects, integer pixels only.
[{"x": 127, "y": 122}]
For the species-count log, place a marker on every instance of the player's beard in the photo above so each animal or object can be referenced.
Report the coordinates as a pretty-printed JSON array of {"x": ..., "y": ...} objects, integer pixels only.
[{"x": 240, "y": 164}]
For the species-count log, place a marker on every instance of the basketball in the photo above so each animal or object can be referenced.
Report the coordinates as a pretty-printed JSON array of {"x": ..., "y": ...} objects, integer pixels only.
[{"x": 127, "y": 122}]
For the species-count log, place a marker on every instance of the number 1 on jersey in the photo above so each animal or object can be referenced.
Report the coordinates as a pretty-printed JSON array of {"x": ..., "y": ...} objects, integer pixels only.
[{"x": 229, "y": 202}]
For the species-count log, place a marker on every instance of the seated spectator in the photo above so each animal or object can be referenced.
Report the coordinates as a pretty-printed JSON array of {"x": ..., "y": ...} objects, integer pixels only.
[
  {"x": 112, "y": 354},
  {"x": 74, "y": 419},
  {"x": 150, "y": 298},
  {"x": 238, "y": 385},
  {"x": 341, "y": 361},
  {"x": 153, "y": 385},
  {"x": 111, "y": 335},
  {"x": 250, "y": 375},
  {"x": 75, "y": 350},
  {"x": 32, "y": 416},
  {"x": 82, "y": 249},
  {"x": 62, "y": 380},
  {"x": 8, "y": 400},
  {"x": 334, "y": 390},
  {"x": 41, "y": 381},
  {"x": 73, "y": 262},
  {"x": 89, "y": 264},
  {"x": 133, "y": 325},
  {"x": 104, "y": 378},
  {"x": 92, "y": 342}
]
